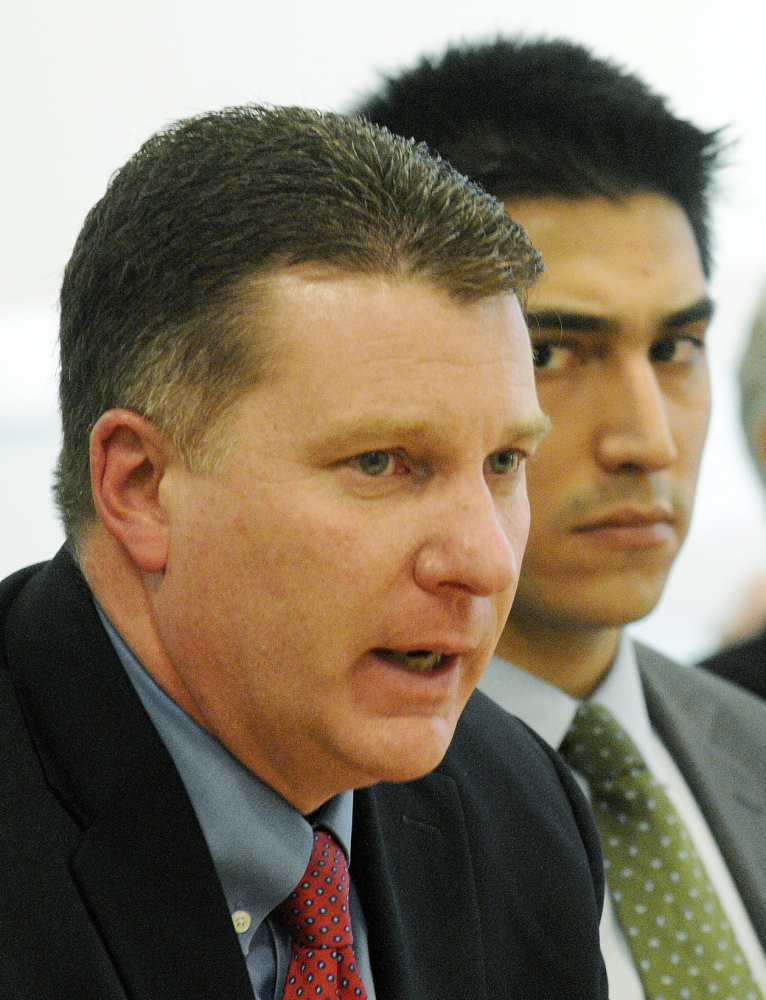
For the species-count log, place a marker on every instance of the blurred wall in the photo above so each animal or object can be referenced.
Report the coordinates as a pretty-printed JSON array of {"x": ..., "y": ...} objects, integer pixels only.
[{"x": 83, "y": 83}]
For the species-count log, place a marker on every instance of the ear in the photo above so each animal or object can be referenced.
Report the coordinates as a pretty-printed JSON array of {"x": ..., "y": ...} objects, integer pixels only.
[{"x": 128, "y": 459}]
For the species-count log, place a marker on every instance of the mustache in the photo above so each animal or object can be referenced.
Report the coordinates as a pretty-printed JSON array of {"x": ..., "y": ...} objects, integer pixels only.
[{"x": 643, "y": 492}]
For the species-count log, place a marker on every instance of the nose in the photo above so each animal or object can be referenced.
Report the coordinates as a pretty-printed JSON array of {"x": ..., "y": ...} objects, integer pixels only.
[
  {"x": 635, "y": 430},
  {"x": 475, "y": 544}
]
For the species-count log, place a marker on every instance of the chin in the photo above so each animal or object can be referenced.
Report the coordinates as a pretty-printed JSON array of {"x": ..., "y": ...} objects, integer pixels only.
[
  {"x": 635, "y": 601},
  {"x": 615, "y": 614},
  {"x": 603, "y": 601},
  {"x": 412, "y": 751}
]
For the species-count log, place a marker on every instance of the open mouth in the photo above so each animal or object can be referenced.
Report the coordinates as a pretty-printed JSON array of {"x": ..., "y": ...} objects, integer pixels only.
[{"x": 419, "y": 661}]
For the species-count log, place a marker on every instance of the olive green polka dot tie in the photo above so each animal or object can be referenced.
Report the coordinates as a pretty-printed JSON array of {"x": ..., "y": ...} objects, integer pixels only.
[{"x": 682, "y": 943}]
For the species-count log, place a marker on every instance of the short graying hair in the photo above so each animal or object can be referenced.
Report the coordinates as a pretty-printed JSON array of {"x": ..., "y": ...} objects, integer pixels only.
[{"x": 163, "y": 272}]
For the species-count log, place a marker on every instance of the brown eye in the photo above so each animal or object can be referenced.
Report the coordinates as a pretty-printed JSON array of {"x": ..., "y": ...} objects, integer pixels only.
[
  {"x": 679, "y": 350},
  {"x": 551, "y": 355},
  {"x": 664, "y": 350},
  {"x": 542, "y": 354}
]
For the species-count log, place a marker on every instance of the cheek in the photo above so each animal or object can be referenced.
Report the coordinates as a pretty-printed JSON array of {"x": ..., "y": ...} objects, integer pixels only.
[
  {"x": 691, "y": 419},
  {"x": 516, "y": 526},
  {"x": 569, "y": 443},
  {"x": 550, "y": 474},
  {"x": 334, "y": 561},
  {"x": 520, "y": 524}
]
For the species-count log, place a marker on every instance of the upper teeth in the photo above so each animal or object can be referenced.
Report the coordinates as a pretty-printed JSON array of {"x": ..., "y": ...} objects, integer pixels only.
[{"x": 421, "y": 660}]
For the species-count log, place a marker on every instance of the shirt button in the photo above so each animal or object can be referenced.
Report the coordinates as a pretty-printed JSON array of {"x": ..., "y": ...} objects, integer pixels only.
[{"x": 241, "y": 920}]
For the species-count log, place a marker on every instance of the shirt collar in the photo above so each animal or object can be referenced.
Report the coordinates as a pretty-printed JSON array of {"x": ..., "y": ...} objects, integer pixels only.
[
  {"x": 549, "y": 710},
  {"x": 545, "y": 708},
  {"x": 260, "y": 844}
]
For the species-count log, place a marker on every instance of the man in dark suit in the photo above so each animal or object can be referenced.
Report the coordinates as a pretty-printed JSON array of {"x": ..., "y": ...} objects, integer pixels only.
[
  {"x": 743, "y": 663},
  {"x": 298, "y": 399},
  {"x": 613, "y": 190}
]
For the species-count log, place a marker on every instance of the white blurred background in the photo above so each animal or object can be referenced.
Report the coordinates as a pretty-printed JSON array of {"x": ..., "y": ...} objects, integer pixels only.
[{"x": 83, "y": 83}]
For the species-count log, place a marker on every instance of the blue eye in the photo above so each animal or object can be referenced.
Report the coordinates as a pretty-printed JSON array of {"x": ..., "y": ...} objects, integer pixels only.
[
  {"x": 374, "y": 463},
  {"x": 503, "y": 462}
]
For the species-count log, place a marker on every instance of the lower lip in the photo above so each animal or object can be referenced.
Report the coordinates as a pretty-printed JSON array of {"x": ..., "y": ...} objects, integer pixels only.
[
  {"x": 627, "y": 536},
  {"x": 401, "y": 683}
]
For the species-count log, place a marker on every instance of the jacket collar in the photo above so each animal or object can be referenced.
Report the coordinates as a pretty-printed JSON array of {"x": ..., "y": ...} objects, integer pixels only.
[
  {"x": 413, "y": 870},
  {"x": 715, "y": 733}
]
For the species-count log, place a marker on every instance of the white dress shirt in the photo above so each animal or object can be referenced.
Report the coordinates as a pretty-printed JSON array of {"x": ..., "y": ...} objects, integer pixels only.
[{"x": 549, "y": 711}]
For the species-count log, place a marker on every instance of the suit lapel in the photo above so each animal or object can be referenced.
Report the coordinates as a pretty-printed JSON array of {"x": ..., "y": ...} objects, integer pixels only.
[
  {"x": 707, "y": 726},
  {"x": 152, "y": 890},
  {"x": 142, "y": 865},
  {"x": 412, "y": 869}
]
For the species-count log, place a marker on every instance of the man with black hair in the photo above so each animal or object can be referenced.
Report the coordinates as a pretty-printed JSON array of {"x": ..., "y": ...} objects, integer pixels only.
[
  {"x": 297, "y": 398},
  {"x": 613, "y": 190}
]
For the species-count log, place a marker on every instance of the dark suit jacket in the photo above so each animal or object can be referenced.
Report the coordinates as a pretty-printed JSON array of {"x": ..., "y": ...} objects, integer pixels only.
[
  {"x": 481, "y": 880},
  {"x": 744, "y": 664},
  {"x": 716, "y": 733}
]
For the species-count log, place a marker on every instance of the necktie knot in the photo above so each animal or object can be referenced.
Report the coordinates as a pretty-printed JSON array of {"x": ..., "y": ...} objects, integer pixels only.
[
  {"x": 316, "y": 913},
  {"x": 600, "y": 749},
  {"x": 318, "y": 918}
]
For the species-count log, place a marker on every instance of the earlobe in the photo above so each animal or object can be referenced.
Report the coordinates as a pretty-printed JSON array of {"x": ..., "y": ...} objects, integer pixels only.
[{"x": 128, "y": 459}]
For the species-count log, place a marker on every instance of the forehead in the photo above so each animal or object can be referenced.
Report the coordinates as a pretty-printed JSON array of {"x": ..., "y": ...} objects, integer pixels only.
[
  {"x": 611, "y": 258},
  {"x": 325, "y": 317},
  {"x": 361, "y": 350}
]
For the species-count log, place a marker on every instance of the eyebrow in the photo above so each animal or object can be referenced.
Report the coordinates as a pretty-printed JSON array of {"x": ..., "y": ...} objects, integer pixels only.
[
  {"x": 357, "y": 434},
  {"x": 701, "y": 310},
  {"x": 560, "y": 319},
  {"x": 532, "y": 430}
]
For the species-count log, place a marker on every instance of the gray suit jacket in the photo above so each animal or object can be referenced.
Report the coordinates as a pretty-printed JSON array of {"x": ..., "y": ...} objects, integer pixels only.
[{"x": 716, "y": 733}]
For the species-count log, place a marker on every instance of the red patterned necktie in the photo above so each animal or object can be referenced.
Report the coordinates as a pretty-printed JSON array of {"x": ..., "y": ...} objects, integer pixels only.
[{"x": 317, "y": 915}]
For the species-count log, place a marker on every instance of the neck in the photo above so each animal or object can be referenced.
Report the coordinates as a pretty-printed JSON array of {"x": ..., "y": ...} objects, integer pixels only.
[
  {"x": 572, "y": 659},
  {"x": 124, "y": 593}
]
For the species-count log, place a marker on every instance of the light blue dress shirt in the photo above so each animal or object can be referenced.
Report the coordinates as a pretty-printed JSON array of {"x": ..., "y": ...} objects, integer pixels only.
[{"x": 260, "y": 844}]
